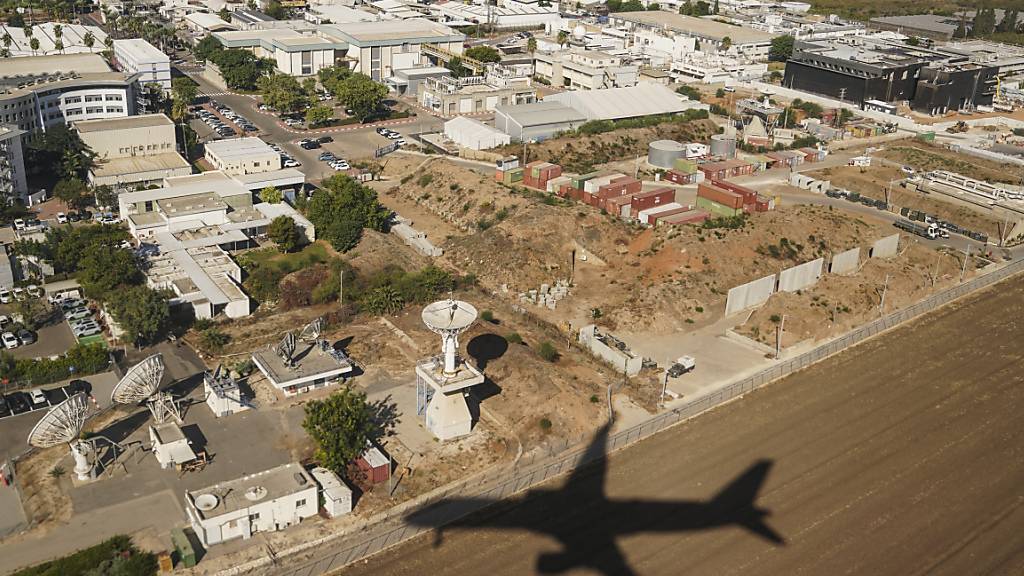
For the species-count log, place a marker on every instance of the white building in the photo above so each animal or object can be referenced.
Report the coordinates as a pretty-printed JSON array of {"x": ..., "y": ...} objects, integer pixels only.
[
  {"x": 40, "y": 91},
  {"x": 585, "y": 69},
  {"x": 263, "y": 502},
  {"x": 202, "y": 23},
  {"x": 73, "y": 39},
  {"x": 515, "y": 15},
  {"x": 136, "y": 56},
  {"x": 307, "y": 368},
  {"x": 376, "y": 49},
  {"x": 239, "y": 156},
  {"x": 710, "y": 35},
  {"x": 336, "y": 495},
  {"x": 137, "y": 150},
  {"x": 12, "y": 165},
  {"x": 474, "y": 134},
  {"x": 644, "y": 99}
]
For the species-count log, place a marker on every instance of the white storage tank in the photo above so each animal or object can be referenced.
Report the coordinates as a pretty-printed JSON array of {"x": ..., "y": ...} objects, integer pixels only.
[
  {"x": 723, "y": 146},
  {"x": 664, "y": 153}
]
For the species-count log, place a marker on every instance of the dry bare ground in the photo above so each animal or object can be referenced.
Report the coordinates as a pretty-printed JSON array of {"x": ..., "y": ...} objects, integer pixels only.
[{"x": 924, "y": 156}]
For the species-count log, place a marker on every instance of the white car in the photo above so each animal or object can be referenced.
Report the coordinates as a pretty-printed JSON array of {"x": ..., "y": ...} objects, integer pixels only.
[
  {"x": 19, "y": 224},
  {"x": 393, "y": 135},
  {"x": 38, "y": 397},
  {"x": 340, "y": 166},
  {"x": 291, "y": 164},
  {"x": 78, "y": 314},
  {"x": 34, "y": 291},
  {"x": 62, "y": 218},
  {"x": 10, "y": 340},
  {"x": 400, "y": 142},
  {"x": 19, "y": 294},
  {"x": 5, "y": 296},
  {"x": 90, "y": 330}
]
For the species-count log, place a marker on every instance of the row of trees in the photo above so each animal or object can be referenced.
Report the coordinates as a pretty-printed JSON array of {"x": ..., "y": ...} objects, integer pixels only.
[
  {"x": 984, "y": 24},
  {"x": 357, "y": 92},
  {"x": 6, "y": 40},
  {"x": 241, "y": 69}
]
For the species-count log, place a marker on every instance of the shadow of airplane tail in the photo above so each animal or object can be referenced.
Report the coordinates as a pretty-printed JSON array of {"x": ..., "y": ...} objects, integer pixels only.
[{"x": 738, "y": 498}]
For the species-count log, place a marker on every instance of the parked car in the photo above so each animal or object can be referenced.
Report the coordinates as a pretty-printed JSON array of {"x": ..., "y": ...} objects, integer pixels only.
[
  {"x": 19, "y": 224},
  {"x": 38, "y": 398},
  {"x": 34, "y": 291},
  {"x": 88, "y": 331},
  {"x": 62, "y": 218},
  {"x": 19, "y": 294},
  {"x": 4, "y": 320},
  {"x": 73, "y": 217},
  {"x": 5, "y": 410},
  {"x": 383, "y": 131},
  {"x": 71, "y": 303},
  {"x": 325, "y": 139},
  {"x": 311, "y": 145},
  {"x": 27, "y": 337},
  {"x": 9, "y": 340},
  {"x": 5, "y": 296},
  {"x": 78, "y": 314},
  {"x": 291, "y": 164},
  {"x": 400, "y": 142},
  {"x": 326, "y": 156},
  {"x": 393, "y": 136},
  {"x": 18, "y": 402}
]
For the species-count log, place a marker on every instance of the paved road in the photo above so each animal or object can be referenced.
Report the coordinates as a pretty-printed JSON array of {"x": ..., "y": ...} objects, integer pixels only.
[{"x": 902, "y": 456}]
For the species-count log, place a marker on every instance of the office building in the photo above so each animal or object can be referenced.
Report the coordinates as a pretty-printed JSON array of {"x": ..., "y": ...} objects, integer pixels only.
[
  {"x": 12, "y": 164},
  {"x": 709, "y": 34},
  {"x": 136, "y": 56},
  {"x": 132, "y": 151}
]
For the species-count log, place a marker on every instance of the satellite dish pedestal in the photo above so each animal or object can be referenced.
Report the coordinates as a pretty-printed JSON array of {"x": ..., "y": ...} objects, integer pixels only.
[
  {"x": 63, "y": 423},
  {"x": 442, "y": 381},
  {"x": 82, "y": 452}
]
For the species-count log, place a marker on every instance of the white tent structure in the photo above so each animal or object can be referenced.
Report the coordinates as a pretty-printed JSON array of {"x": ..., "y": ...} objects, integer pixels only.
[
  {"x": 474, "y": 134},
  {"x": 644, "y": 99}
]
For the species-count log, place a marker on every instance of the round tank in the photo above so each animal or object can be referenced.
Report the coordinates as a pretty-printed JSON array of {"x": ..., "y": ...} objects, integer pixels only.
[
  {"x": 664, "y": 153},
  {"x": 723, "y": 146}
]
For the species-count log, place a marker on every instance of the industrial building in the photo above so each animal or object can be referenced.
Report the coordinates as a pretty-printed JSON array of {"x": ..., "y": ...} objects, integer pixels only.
[
  {"x": 294, "y": 371},
  {"x": 449, "y": 96},
  {"x": 13, "y": 183},
  {"x": 262, "y": 502},
  {"x": 536, "y": 121},
  {"x": 474, "y": 134},
  {"x": 136, "y": 56},
  {"x": 40, "y": 91},
  {"x": 619, "y": 103},
  {"x": 242, "y": 156},
  {"x": 137, "y": 150},
  {"x": 859, "y": 70},
  {"x": 508, "y": 16},
  {"x": 709, "y": 34}
]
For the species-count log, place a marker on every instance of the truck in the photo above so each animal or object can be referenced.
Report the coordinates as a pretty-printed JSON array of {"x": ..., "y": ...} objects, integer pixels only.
[
  {"x": 681, "y": 366},
  {"x": 930, "y": 231}
]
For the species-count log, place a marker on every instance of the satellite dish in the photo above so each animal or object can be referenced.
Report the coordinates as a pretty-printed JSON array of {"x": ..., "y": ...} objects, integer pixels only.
[
  {"x": 449, "y": 318},
  {"x": 140, "y": 382},
  {"x": 311, "y": 332},
  {"x": 206, "y": 502},
  {"x": 63, "y": 424},
  {"x": 256, "y": 493},
  {"x": 286, "y": 348}
]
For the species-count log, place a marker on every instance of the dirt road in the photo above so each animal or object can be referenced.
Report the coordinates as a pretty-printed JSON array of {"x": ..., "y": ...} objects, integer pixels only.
[{"x": 904, "y": 456}]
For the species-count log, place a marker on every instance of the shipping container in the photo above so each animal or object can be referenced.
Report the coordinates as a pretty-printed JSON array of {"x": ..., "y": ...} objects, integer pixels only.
[
  {"x": 717, "y": 209},
  {"x": 619, "y": 187},
  {"x": 619, "y": 206},
  {"x": 688, "y": 217},
  {"x": 658, "y": 218},
  {"x": 578, "y": 181},
  {"x": 720, "y": 195},
  {"x": 374, "y": 464},
  {"x": 554, "y": 185},
  {"x": 592, "y": 185},
  {"x": 652, "y": 198},
  {"x": 749, "y": 196}
]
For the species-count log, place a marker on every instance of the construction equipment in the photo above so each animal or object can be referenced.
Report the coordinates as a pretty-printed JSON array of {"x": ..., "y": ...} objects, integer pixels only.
[{"x": 958, "y": 128}]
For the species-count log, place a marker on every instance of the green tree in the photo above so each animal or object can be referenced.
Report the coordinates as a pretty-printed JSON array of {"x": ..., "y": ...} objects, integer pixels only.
[
  {"x": 319, "y": 115},
  {"x": 102, "y": 271},
  {"x": 340, "y": 426},
  {"x": 72, "y": 191},
  {"x": 332, "y": 76},
  {"x": 16, "y": 20},
  {"x": 184, "y": 91},
  {"x": 547, "y": 351},
  {"x": 284, "y": 233},
  {"x": 225, "y": 14},
  {"x": 362, "y": 95},
  {"x": 271, "y": 195},
  {"x": 690, "y": 92},
  {"x": 482, "y": 54},
  {"x": 781, "y": 48},
  {"x": 726, "y": 44},
  {"x": 240, "y": 68},
  {"x": 276, "y": 10},
  {"x": 213, "y": 340},
  {"x": 563, "y": 37},
  {"x": 282, "y": 92},
  {"x": 961, "y": 30},
  {"x": 206, "y": 48},
  {"x": 89, "y": 40},
  {"x": 458, "y": 69},
  {"x": 309, "y": 87},
  {"x": 720, "y": 93},
  {"x": 105, "y": 196},
  {"x": 141, "y": 312},
  {"x": 33, "y": 43},
  {"x": 342, "y": 208},
  {"x": 653, "y": 6},
  {"x": 715, "y": 10}
]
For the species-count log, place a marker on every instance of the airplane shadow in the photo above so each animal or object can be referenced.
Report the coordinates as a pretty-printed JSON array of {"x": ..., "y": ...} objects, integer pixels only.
[{"x": 587, "y": 523}]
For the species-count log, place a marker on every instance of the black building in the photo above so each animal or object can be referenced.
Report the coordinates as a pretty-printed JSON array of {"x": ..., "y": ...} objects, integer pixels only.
[{"x": 856, "y": 71}]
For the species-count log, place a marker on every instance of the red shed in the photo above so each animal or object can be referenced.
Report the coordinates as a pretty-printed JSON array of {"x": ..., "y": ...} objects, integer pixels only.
[{"x": 374, "y": 464}]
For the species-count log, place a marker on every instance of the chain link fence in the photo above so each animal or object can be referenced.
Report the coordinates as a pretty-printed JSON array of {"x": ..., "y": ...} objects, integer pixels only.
[{"x": 434, "y": 510}]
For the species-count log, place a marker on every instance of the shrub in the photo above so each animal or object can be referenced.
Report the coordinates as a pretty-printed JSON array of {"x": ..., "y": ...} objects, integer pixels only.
[
  {"x": 775, "y": 318},
  {"x": 547, "y": 351},
  {"x": 425, "y": 180},
  {"x": 487, "y": 316},
  {"x": 545, "y": 424},
  {"x": 514, "y": 338},
  {"x": 213, "y": 341}
]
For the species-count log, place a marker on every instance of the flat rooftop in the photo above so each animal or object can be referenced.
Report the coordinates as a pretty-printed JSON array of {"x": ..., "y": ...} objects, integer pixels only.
[
  {"x": 104, "y": 124},
  {"x": 239, "y": 494},
  {"x": 695, "y": 26},
  {"x": 139, "y": 165},
  {"x": 141, "y": 49},
  {"x": 309, "y": 363},
  {"x": 191, "y": 204},
  {"x": 238, "y": 148},
  {"x": 395, "y": 31},
  {"x": 54, "y": 63}
]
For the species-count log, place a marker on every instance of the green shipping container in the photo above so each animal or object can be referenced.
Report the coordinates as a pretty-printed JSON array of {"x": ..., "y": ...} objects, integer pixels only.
[
  {"x": 515, "y": 175},
  {"x": 183, "y": 546},
  {"x": 926, "y": 136},
  {"x": 577, "y": 181},
  {"x": 716, "y": 208}
]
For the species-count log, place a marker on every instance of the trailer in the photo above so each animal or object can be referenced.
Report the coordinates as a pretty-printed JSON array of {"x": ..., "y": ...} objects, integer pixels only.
[{"x": 930, "y": 231}]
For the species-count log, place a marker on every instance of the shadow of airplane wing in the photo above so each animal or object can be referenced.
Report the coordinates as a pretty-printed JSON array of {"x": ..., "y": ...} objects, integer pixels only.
[{"x": 603, "y": 556}]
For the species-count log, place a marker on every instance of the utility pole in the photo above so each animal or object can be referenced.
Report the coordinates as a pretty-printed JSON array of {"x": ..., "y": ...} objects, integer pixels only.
[
  {"x": 341, "y": 287},
  {"x": 610, "y": 403},
  {"x": 778, "y": 337},
  {"x": 935, "y": 275},
  {"x": 885, "y": 288},
  {"x": 967, "y": 257},
  {"x": 664, "y": 385}
]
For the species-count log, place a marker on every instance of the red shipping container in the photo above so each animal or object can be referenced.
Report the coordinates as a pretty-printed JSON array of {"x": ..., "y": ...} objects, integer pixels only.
[
  {"x": 723, "y": 197},
  {"x": 688, "y": 217},
  {"x": 374, "y": 464},
  {"x": 652, "y": 198},
  {"x": 749, "y": 196},
  {"x": 614, "y": 205}
]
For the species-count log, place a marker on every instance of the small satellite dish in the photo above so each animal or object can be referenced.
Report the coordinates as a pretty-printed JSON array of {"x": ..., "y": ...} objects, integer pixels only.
[
  {"x": 62, "y": 424},
  {"x": 207, "y": 502},
  {"x": 256, "y": 493},
  {"x": 449, "y": 316},
  {"x": 311, "y": 332}
]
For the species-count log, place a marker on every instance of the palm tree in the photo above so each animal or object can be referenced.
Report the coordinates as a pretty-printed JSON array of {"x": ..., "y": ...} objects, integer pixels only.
[
  {"x": 89, "y": 40},
  {"x": 531, "y": 45},
  {"x": 563, "y": 37},
  {"x": 109, "y": 42},
  {"x": 28, "y": 31},
  {"x": 5, "y": 52},
  {"x": 34, "y": 45},
  {"x": 59, "y": 46},
  {"x": 7, "y": 40},
  {"x": 58, "y": 31}
]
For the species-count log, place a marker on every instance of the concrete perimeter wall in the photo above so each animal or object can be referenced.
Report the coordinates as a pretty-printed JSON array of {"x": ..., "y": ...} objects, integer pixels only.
[
  {"x": 885, "y": 247},
  {"x": 845, "y": 261},
  {"x": 751, "y": 294},
  {"x": 800, "y": 276}
]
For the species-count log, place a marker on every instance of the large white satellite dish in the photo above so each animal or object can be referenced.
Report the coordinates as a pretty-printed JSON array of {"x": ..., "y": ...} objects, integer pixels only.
[
  {"x": 449, "y": 318},
  {"x": 142, "y": 384},
  {"x": 63, "y": 424}
]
